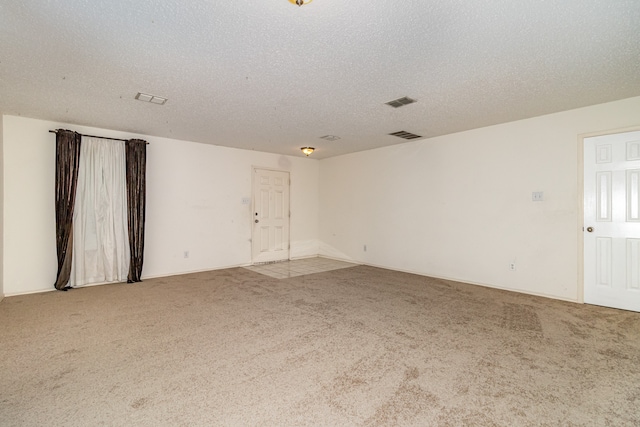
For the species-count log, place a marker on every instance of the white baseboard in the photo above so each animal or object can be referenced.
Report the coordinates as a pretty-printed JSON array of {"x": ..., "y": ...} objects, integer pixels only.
[
  {"x": 351, "y": 261},
  {"x": 37, "y": 291},
  {"x": 156, "y": 276},
  {"x": 486, "y": 285}
]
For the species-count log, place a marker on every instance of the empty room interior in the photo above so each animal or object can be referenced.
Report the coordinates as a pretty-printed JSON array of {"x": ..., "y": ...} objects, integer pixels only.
[{"x": 352, "y": 213}]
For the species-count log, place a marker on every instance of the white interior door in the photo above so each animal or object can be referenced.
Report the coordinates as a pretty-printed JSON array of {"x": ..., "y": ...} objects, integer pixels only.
[
  {"x": 270, "y": 237},
  {"x": 612, "y": 220}
]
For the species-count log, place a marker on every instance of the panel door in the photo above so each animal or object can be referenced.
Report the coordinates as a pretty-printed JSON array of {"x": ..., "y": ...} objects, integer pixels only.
[
  {"x": 612, "y": 220},
  {"x": 270, "y": 237}
]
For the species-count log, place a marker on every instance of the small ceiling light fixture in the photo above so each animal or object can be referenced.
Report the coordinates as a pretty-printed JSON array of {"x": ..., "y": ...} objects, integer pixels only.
[
  {"x": 307, "y": 150},
  {"x": 300, "y": 2}
]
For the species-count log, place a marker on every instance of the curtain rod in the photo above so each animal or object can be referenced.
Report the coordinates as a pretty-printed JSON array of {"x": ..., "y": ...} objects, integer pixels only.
[{"x": 101, "y": 137}]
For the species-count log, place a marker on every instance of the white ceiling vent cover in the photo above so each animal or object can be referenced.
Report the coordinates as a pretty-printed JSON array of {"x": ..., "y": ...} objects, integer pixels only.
[
  {"x": 330, "y": 137},
  {"x": 154, "y": 99},
  {"x": 405, "y": 135},
  {"x": 397, "y": 103}
]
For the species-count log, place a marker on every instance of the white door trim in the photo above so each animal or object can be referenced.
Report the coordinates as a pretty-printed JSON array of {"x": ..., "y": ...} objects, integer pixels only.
[{"x": 580, "y": 198}]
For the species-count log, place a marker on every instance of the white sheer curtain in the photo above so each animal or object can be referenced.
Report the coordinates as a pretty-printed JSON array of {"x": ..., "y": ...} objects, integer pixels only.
[{"x": 100, "y": 234}]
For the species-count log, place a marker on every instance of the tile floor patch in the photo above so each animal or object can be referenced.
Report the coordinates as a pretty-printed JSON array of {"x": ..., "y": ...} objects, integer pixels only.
[{"x": 301, "y": 267}]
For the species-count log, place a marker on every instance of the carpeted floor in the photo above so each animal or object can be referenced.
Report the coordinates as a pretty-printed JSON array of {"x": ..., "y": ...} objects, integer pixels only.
[{"x": 357, "y": 346}]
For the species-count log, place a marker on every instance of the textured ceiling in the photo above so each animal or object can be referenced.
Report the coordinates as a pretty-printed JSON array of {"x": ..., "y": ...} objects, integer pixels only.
[{"x": 270, "y": 76}]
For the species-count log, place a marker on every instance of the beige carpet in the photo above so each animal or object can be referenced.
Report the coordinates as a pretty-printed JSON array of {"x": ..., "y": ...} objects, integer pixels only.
[{"x": 357, "y": 346}]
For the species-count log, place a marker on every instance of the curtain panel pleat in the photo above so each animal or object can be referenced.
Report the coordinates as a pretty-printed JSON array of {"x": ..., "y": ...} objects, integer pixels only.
[
  {"x": 136, "y": 159},
  {"x": 67, "y": 165}
]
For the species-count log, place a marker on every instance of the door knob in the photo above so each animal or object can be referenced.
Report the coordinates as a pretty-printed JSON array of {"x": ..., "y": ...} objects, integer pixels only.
[
  {"x": 590, "y": 229},
  {"x": 257, "y": 221}
]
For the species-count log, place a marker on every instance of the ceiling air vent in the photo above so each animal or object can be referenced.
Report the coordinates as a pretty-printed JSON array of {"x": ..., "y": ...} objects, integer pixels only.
[
  {"x": 397, "y": 103},
  {"x": 405, "y": 135},
  {"x": 145, "y": 97},
  {"x": 330, "y": 137}
]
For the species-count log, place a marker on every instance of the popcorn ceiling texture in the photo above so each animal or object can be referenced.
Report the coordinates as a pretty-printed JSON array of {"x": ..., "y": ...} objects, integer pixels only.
[
  {"x": 271, "y": 76},
  {"x": 359, "y": 346}
]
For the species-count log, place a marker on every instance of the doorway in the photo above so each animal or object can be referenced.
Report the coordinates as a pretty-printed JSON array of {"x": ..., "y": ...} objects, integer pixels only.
[
  {"x": 612, "y": 220},
  {"x": 270, "y": 216}
]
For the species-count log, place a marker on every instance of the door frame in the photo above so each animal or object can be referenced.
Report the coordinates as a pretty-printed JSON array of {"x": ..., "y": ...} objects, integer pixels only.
[
  {"x": 253, "y": 208},
  {"x": 580, "y": 198}
]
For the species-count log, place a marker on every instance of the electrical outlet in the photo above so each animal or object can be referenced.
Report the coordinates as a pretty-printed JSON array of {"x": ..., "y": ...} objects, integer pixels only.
[
  {"x": 512, "y": 266},
  {"x": 186, "y": 254}
]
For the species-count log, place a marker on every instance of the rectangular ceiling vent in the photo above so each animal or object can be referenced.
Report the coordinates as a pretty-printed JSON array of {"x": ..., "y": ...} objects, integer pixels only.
[
  {"x": 397, "y": 103},
  {"x": 330, "y": 138},
  {"x": 145, "y": 97},
  {"x": 405, "y": 135}
]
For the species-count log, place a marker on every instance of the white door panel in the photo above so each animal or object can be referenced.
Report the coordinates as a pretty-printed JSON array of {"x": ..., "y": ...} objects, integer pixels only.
[
  {"x": 612, "y": 220},
  {"x": 270, "y": 237}
]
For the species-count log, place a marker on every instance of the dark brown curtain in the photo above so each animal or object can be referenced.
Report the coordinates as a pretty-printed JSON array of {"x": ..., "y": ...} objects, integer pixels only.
[
  {"x": 136, "y": 195},
  {"x": 67, "y": 164}
]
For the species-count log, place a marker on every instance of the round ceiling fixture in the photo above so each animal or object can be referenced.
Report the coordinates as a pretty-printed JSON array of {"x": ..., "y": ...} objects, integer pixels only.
[
  {"x": 300, "y": 2},
  {"x": 307, "y": 150}
]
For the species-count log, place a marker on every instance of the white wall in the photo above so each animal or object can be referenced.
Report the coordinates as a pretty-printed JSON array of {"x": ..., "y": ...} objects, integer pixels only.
[
  {"x": 194, "y": 203},
  {"x": 1, "y": 209},
  {"x": 459, "y": 206}
]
